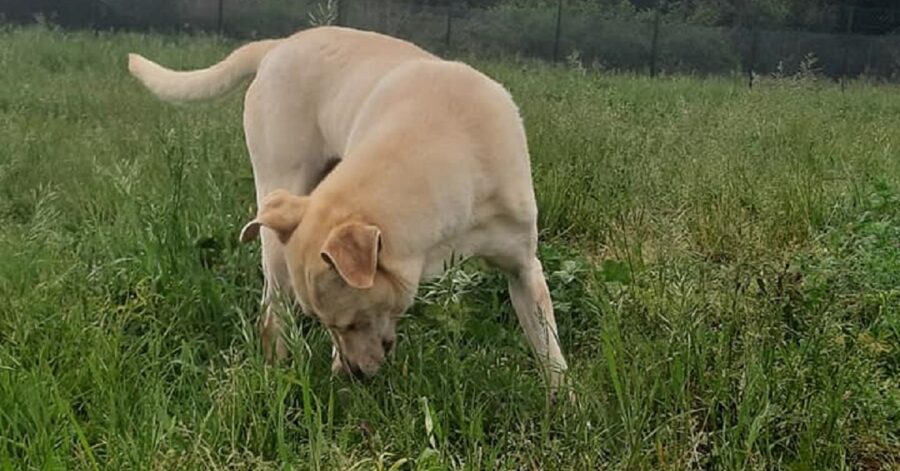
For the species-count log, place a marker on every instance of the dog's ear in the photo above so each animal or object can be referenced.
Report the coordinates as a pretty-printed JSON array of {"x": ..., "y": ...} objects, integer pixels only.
[
  {"x": 280, "y": 211},
  {"x": 352, "y": 249}
]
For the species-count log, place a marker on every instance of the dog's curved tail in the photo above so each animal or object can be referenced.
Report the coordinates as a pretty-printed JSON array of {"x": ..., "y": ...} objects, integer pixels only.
[{"x": 203, "y": 84}]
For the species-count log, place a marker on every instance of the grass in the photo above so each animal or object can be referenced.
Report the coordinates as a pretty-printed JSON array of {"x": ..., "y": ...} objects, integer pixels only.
[{"x": 724, "y": 264}]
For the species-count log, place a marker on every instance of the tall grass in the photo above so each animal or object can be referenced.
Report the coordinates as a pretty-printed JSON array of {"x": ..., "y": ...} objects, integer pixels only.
[{"x": 724, "y": 264}]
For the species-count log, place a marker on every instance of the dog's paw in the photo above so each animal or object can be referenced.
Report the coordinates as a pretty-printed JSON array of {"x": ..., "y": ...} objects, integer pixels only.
[{"x": 563, "y": 396}]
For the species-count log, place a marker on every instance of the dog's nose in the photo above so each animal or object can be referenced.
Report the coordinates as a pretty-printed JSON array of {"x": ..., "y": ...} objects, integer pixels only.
[
  {"x": 388, "y": 345},
  {"x": 356, "y": 371}
]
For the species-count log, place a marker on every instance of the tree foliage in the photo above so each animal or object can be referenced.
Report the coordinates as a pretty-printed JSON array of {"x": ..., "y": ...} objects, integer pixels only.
[{"x": 857, "y": 16}]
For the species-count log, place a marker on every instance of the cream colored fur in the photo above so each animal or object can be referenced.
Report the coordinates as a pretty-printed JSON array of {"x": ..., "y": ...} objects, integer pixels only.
[
  {"x": 434, "y": 165},
  {"x": 202, "y": 84}
]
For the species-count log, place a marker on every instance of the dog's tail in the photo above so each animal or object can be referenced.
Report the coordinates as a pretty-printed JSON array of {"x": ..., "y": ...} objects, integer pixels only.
[{"x": 170, "y": 85}]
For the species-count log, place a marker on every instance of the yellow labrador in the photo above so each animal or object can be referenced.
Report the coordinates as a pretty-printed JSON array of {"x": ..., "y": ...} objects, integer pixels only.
[{"x": 434, "y": 164}]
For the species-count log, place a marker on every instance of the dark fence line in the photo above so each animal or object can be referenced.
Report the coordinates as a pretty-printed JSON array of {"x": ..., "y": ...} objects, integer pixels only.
[
  {"x": 648, "y": 44},
  {"x": 592, "y": 37}
]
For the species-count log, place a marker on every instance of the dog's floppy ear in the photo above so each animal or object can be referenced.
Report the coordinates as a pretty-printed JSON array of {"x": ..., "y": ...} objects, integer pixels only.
[
  {"x": 280, "y": 211},
  {"x": 352, "y": 249}
]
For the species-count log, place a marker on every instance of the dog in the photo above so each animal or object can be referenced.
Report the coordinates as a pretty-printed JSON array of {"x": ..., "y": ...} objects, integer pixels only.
[{"x": 434, "y": 164}]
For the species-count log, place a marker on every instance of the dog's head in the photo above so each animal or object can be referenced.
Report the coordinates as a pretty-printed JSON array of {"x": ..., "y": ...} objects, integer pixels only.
[{"x": 337, "y": 276}]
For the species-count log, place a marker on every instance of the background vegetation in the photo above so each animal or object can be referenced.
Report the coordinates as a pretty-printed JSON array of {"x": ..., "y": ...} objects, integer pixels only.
[
  {"x": 840, "y": 39},
  {"x": 868, "y": 16}
]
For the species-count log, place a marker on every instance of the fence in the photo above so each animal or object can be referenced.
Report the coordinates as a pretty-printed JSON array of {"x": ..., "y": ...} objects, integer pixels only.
[{"x": 595, "y": 37}]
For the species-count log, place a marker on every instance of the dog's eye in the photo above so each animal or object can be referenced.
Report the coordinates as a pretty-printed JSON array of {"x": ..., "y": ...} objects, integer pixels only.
[{"x": 347, "y": 328}]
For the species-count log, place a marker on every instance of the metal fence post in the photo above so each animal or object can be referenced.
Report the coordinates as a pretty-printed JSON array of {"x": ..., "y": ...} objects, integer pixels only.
[
  {"x": 845, "y": 65},
  {"x": 220, "y": 18},
  {"x": 449, "y": 26},
  {"x": 754, "y": 48},
  {"x": 339, "y": 15},
  {"x": 654, "y": 46},
  {"x": 558, "y": 27},
  {"x": 754, "y": 44}
]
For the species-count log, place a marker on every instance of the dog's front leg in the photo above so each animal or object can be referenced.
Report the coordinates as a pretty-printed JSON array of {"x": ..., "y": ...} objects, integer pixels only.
[
  {"x": 276, "y": 299},
  {"x": 534, "y": 309},
  {"x": 270, "y": 334}
]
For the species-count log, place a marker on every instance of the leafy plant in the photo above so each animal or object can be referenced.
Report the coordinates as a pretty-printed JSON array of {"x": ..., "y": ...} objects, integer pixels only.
[{"x": 324, "y": 14}]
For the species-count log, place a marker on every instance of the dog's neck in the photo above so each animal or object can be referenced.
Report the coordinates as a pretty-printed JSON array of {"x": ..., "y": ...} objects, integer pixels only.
[
  {"x": 329, "y": 210},
  {"x": 386, "y": 181}
]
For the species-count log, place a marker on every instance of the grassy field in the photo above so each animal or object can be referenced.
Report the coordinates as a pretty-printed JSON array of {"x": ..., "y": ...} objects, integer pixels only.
[{"x": 725, "y": 265}]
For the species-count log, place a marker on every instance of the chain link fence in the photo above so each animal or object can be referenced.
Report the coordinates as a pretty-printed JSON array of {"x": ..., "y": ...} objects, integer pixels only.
[{"x": 577, "y": 32}]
